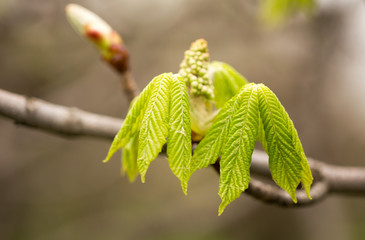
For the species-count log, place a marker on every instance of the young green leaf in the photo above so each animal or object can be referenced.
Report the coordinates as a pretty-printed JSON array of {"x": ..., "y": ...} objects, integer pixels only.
[
  {"x": 227, "y": 82},
  {"x": 179, "y": 136},
  {"x": 154, "y": 127},
  {"x": 261, "y": 135},
  {"x": 210, "y": 148},
  {"x": 307, "y": 178},
  {"x": 129, "y": 158},
  {"x": 132, "y": 122},
  {"x": 254, "y": 113},
  {"x": 237, "y": 155},
  {"x": 285, "y": 162}
]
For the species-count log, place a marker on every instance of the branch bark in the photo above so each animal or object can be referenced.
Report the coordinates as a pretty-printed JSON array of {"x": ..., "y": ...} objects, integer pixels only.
[
  {"x": 63, "y": 120},
  {"x": 340, "y": 179},
  {"x": 71, "y": 121}
]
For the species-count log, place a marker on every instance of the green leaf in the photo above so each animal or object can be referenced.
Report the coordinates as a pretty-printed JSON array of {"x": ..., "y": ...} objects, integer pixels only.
[
  {"x": 237, "y": 155},
  {"x": 307, "y": 178},
  {"x": 227, "y": 82},
  {"x": 154, "y": 127},
  {"x": 179, "y": 136},
  {"x": 210, "y": 148},
  {"x": 276, "y": 11},
  {"x": 132, "y": 122},
  {"x": 261, "y": 135},
  {"x": 285, "y": 162},
  {"x": 129, "y": 159},
  {"x": 254, "y": 113},
  {"x": 234, "y": 132}
]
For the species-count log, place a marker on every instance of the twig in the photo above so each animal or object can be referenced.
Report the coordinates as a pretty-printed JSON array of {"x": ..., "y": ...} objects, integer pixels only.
[
  {"x": 128, "y": 84},
  {"x": 120, "y": 61},
  {"x": 74, "y": 122}
]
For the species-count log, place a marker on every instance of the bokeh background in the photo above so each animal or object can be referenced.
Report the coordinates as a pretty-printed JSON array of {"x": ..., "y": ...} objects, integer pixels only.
[{"x": 54, "y": 187}]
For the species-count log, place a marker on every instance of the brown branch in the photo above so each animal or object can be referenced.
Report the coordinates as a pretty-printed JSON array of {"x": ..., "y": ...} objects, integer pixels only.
[
  {"x": 74, "y": 122},
  {"x": 271, "y": 193},
  {"x": 339, "y": 178},
  {"x": 120, "y": 61},
  {"x": 128, "y": 84},
  {"x": 55, "y": 118}
]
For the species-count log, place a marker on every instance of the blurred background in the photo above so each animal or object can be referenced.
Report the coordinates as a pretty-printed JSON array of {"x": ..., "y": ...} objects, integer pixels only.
[{"x": 54, "y": 187}]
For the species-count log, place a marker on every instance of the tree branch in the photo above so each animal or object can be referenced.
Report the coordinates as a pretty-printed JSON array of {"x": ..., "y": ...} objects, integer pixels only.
[
  {"x": 270, "y": 193},
  {"x": 55, "y": 118},
  {"x": 74, "y": 122},
  {"x": 339, "y": 178}
]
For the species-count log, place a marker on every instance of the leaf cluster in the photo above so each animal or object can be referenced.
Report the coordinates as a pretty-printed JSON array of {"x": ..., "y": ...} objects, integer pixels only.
[{"x": 248, "y": 112}]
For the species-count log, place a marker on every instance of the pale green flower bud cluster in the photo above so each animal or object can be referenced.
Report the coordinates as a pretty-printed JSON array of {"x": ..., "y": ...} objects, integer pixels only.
[{"x": 194, "y": 69}]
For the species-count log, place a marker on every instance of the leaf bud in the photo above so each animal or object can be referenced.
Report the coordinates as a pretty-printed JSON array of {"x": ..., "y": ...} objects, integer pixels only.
[{"x": 108, "y": 42}]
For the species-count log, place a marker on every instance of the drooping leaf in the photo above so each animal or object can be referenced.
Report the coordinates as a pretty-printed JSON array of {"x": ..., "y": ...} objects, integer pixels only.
[
  {"x": 129, "y": 158},
  {"x": 237, "y": 155},
  {"x": 132, "y": 122},
  {"x": 261, "y": 135},
  {"x": 210, "y": 148},
  {"x": 227, "y": 82},
  {"x": 154, "y": 126},
  {"x": 285, "y": 162},
  {"x": 254, "y": 113},
  {"x": 307, "y": 178},
  {"x": 179, "y": 132}
]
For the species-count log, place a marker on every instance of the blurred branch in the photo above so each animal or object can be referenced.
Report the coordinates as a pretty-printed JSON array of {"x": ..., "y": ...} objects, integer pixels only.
[
  {"x": 74, "y": 122},
  {"x": 327, "y": 179},
  {"x": 55, "y": 118},
  {"x": 270, "y": 193},
  {"x": 339, "y": 178},
  {"x": 128, "y": 84}
]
